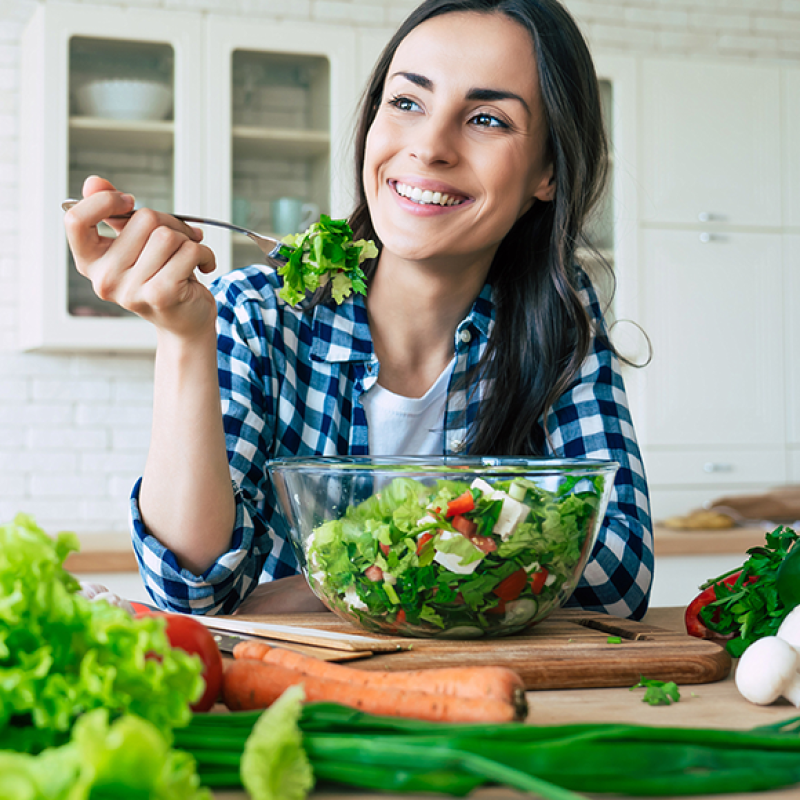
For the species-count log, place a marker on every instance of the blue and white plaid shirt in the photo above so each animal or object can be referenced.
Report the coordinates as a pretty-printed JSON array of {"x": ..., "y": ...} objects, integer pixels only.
[{"x": 291, "y": 382}]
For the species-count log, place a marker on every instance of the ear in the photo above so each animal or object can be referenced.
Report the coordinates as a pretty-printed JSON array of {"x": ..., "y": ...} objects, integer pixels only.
[{"x": 546, "y": 190}]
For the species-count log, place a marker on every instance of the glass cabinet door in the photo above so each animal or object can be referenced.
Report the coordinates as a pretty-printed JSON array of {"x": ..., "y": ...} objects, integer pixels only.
[
  {"x": 115, "y": 92},
  {"x": 281, "y": 106},
  {"x": 121, "y": 126},
  {"x": 280, "y": 145}
]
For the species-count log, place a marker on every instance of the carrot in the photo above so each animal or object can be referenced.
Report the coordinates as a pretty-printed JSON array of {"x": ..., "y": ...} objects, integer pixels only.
[
  {"x": 249, "y": 684},
  {"x": 489, "y": 683}
]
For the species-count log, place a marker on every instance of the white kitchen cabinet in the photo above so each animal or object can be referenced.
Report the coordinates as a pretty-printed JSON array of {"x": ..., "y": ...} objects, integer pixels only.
[
  {"x": 713, "y": 308},
  {"x": 191, "y": 160},
  {"x": 791, "y": 272},
  {"x": 711, "y": 143},
  {"x": 791, "y": 148}
]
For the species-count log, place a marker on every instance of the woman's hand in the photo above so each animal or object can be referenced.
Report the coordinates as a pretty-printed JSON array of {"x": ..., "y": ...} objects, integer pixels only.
[
  {"x": 285, "y": 596},
  {"x": 149, "y": 267}
]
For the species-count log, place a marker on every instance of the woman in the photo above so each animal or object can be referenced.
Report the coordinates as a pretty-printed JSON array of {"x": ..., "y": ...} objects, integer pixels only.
[{"x": 480, "y": 152}]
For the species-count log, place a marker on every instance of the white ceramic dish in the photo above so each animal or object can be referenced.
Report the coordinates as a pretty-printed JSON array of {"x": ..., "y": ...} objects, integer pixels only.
[{"x": 124, "y": 99}]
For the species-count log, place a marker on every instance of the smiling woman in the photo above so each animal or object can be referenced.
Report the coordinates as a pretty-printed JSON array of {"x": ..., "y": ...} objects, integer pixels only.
[{"x": 479, "y": 333}]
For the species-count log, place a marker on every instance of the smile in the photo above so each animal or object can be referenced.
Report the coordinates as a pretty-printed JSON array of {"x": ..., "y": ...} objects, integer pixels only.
[{"x": 426, "y": 197}]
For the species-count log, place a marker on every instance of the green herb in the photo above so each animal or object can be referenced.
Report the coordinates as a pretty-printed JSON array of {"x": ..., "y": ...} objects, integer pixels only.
[
  {"x": 127, "y": 759},
  {"x": 614, "y": 640},
  {"x": 658, "y": 693},
  {"x": 62, "y": 655},
  {"x": 356, "y": 750},
  {"x": 761, "y": 597},
  {"x": 324, "y": 253}
]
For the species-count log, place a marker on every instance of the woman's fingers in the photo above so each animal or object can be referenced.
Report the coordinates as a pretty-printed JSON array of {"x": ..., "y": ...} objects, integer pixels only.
[
  {"x": 149, "y": 267},
  {"x": 81, "y": 223}
]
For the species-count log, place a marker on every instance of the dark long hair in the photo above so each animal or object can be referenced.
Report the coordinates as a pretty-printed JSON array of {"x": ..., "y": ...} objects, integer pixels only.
[{"x": 542, "y": 331}]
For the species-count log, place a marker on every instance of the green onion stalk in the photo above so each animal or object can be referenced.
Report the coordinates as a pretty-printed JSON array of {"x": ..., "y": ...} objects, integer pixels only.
[{"x": 338, "y": 745}]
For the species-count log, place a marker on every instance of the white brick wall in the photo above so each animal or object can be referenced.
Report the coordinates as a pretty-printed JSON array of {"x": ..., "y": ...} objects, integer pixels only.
[{"x": 74, "y": 429}]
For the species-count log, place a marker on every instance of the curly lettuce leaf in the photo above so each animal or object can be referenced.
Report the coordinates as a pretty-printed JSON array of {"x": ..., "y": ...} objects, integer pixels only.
[
  {"x": 274, "y": 765},
  {"x": 62, "y": 655},
  {"x": 324, "y": 253},
  {"x": 127, "y": 758}
]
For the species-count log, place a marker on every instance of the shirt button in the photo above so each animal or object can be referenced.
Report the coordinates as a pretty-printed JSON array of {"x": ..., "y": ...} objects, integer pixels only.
[{"x": 465, "y": 336}]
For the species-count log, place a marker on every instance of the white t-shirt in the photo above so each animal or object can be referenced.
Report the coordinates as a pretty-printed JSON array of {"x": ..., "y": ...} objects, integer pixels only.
[{"x": 407, "y": 426}]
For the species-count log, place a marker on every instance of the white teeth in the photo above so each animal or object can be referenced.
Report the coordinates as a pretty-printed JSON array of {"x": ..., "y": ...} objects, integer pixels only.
[{"x": 426, "y": 197}]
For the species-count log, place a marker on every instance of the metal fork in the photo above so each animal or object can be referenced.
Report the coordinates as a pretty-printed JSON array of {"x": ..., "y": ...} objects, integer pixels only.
[{"x": 269, "y": 247}]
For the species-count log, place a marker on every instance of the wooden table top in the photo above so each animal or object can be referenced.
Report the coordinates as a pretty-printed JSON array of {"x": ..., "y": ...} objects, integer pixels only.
[{"x": 713, "y": 705}]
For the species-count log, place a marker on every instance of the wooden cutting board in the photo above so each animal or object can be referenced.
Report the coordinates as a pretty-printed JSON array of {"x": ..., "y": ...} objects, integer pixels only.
[{"x": 568, "y": 650}]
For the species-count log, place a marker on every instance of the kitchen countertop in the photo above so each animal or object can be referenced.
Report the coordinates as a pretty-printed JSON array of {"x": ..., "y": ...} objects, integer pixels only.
[{"x": 713, "y": 705}]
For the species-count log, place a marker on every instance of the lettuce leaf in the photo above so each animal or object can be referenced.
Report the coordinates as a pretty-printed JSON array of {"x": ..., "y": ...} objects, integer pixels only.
[
  {"x": 128, "y": 758},
  {"x": 324, "y": 253},
  {"x": 274, "y": 765},
  {"x": 62, "y": 655}
]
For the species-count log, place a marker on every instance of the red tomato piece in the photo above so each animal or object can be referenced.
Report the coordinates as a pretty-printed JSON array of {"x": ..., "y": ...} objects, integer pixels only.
[
  {"x": 422, "y": 541},
  {"x": 538, "y": 580},
  {"x": 461, "y": 504},
  {"x": 484, "y": 543},
  {"x": 374, "y": 573},
  {"x": 500, "y": 608},
  {"x": 464, "y": 525},
  {"x": 384, "y": 548},
  {"x": 509, "y": 588}
]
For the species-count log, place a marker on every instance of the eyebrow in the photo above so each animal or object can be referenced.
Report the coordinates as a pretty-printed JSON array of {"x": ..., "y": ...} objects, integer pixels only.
[{"x": 486, "y": 95}]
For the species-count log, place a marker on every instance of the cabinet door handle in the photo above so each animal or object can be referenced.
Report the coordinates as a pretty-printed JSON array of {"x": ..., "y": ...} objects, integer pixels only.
[
  {"x": 709, "y": 216},
  {"x": 708, "y": 238},
  {"x": 717, "y": 466}
]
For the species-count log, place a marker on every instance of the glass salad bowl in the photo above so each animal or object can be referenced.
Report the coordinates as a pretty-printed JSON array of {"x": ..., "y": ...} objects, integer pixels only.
[{"x": 449, "y": 547}]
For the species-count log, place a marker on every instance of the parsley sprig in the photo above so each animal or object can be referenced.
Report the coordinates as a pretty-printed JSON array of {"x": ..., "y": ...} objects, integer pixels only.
[
  {"x": 658, "y": 693},
  {"x": 766, "y": 590}
]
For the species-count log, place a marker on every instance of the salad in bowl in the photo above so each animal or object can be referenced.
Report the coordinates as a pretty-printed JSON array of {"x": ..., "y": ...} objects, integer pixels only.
[{"x": 454, "y": 548}]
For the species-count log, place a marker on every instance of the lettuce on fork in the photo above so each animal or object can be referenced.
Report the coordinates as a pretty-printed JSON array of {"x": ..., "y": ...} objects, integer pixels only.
[{"x": 324, "y": 253}]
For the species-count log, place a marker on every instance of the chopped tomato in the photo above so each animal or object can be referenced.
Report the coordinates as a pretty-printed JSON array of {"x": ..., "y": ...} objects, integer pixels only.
[
  {"x": 509, "y": 588},
  {"x": 500, "y": 608},
  {"x": 384, "y": 548},
  {"x": 401, "y": 617},
  {"x": 464, "y": 525},
  {"x": 484, "y": 543},
  {"x": 422, "y": 541},
  {"x": 538, "y": 580},
  {"x": 374, "y": 573},
  {"x": 462, "y": 504}
]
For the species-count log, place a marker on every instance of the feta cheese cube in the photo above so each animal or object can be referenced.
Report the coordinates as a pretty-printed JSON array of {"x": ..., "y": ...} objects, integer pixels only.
[
  {"x": 452, "y": 561},
  {"x": 353, "y": 600},
  {"x": 486, "y": 489},
  {"x": 511, "y": 514}
]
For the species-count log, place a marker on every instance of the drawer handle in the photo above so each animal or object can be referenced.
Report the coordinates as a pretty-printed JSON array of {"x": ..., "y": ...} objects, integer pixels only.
[
  {"x": 707, "y": 238},
  {"x": 710, "y": 216},
  {"x": 717, "y": 466}
]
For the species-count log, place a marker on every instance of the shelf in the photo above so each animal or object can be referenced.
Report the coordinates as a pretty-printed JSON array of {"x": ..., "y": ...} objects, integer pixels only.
[
  {"x": 96, "y": 133},
  {"x": 255, "y": 142}
]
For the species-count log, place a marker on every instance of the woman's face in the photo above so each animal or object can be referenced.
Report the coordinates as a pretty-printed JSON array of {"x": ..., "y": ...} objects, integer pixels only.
[{"x": 456, "y": 153}]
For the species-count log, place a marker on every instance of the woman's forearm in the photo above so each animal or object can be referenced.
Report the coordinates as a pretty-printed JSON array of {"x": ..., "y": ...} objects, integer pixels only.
[{"x": 186, "y": 498}]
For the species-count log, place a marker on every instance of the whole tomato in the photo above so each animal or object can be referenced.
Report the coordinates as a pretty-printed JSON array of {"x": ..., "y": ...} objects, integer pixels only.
[{"x": 193, "y": 637}]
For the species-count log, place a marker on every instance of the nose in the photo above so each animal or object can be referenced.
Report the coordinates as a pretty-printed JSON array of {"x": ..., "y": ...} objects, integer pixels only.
[{"x": 435, "y": 141}]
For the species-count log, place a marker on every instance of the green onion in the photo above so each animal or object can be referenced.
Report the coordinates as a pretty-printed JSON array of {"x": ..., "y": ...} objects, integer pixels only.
[{"x": 350, "y": 748}]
